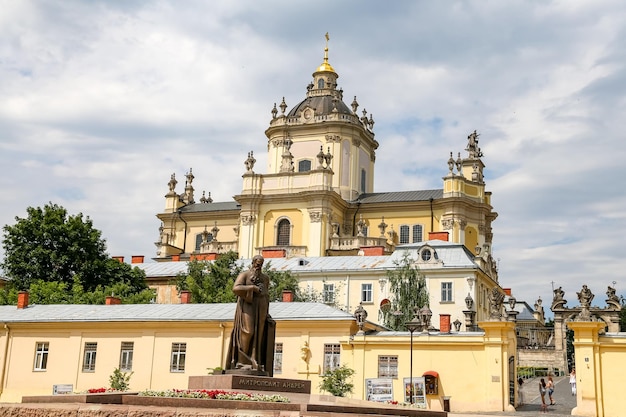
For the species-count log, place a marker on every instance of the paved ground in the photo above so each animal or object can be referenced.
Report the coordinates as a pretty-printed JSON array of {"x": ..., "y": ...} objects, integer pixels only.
[{"x": 563, "y": 398}]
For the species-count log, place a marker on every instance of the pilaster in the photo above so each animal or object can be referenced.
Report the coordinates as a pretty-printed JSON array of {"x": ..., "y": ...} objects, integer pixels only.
[
  {"x": 588, "y": 370},
  {"x": 500, "y": 345}
]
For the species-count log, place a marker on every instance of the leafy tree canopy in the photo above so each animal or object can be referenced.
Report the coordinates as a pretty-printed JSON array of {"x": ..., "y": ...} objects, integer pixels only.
[
  {"x": 42, "y": 292},
  {"x": 51, "y": 246},
  {"x": 408, "y": 290},
  {"x": 212, "y": 281}
]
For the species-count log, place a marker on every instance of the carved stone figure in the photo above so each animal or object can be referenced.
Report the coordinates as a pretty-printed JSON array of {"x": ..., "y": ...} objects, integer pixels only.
[
  {"x": 585, "y": 296},
  {"x": 496, "y": 298},
  {"x": 558, "y": 299},
  {"x": 251, "y": 348},
  {"x": 360, "y": 315}
]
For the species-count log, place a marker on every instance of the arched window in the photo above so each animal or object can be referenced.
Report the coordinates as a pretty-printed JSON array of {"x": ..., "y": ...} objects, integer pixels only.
[
  {"x": 320, "y": 83},
  {"x": 304, "y": 165},
  {"x": 283, "y": 232}
]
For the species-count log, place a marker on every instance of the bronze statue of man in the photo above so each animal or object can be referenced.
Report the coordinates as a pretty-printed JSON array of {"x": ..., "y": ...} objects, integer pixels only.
[{"x": 251, "y": 348}]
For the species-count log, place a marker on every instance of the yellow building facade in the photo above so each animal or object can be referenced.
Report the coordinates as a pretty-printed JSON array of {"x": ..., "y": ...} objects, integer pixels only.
[
  {"x": 316, "y": 197},
  {"x": 46, "y": 347},
  {"x": 316, "y": 200}
]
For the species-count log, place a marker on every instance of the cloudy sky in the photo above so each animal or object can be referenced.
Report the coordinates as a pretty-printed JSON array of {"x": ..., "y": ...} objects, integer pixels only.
[{"x": 100, "y": 102}]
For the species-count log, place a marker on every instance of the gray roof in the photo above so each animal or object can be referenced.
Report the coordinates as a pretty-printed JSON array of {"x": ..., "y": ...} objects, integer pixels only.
[
  {"x": 322, "y": 104},
  {"x": 204, "y": 207},
  {"x": 399, "y": 196},
  {"x": 453, "y": 255},
  {"x": 389, "y": 197},
  {"x": 524, "y": 310},
  {"x": 161, "y": 312}
]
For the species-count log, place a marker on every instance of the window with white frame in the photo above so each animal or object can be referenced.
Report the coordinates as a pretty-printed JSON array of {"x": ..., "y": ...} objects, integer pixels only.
[
  {"x": 418, "y": 233},
  {"x": 411, "y": 234},
  {"x": 404, "y": 234},
  {"x": 283, "y": 232},
  {"x": 126, "y": 356},
  {"x": 179, "y": 354},
  {"x": 89, "y": 357},
  {"x": 332, "y": 357},
  {"x": 446, "y": 292},
  {"x": 329, "y": 293},
  {"x": 41, "y": 356},
  {"x": 366, "y": 293},
  {"x": 388, "y": 366},
  {"x": 278, "y": 358}
]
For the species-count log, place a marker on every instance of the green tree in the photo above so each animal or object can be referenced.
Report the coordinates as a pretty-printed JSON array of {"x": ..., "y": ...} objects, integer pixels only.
[
  {"x": 212, "y": 281},
  {"x": 42, "y": 292},
  {"x": 407, "y": 287},
  {"x": 336, "y": 382},
  {"x": 51, "y": 246}
]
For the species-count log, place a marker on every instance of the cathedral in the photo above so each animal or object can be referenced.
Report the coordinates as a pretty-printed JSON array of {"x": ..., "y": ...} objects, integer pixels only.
[{"x": 316, "y": 202}]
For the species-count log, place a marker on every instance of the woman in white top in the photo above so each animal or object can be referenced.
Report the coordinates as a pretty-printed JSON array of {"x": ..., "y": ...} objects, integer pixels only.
[{"x": 572, "y": 380}]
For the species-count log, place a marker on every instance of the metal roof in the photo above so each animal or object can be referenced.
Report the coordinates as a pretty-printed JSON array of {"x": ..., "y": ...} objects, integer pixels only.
[
  {"x": 453, "y": 255},
  {"x": 279, "y": 311},
  {"x": 399, "y": 196},
  {"x": 203, "y": 207}
]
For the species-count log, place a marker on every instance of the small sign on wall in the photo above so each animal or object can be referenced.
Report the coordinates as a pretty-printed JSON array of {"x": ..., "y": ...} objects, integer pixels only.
[{"x": 62, "y": 389}]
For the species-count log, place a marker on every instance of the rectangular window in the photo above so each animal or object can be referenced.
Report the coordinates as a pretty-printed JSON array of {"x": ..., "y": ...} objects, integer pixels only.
[
  {"x": 446, "y": 292},
  {"x": 304, "y": 165},
  {"x": 363, "y": 180},
  {"x": 41, "y": 356},
  {"x": 278, "y": 358},
  {"x": 417, "y": 233},
  {"x": 89, "y": 357},
  {"x": 404, "y": 234},
  {"x": 126, "y": 356},
  {"x": 329, "y": 293},
  {"x": 179, "y": 352},
  {"x": 366, "y": 293},
  {"x": 387, "y": 366},
  {"x": 331, "y": 357}
]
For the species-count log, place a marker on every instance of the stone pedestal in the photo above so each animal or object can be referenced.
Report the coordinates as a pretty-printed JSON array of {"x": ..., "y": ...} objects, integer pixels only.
[{"x": 249, "y": 382}]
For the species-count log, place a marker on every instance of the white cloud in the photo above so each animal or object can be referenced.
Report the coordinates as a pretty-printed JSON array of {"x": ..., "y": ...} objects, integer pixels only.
[{"x": 103, "y": 101}]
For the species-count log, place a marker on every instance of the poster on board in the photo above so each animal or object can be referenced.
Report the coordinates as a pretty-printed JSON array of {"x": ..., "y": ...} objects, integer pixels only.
[
  {"x": 419, "y": 392},
  {"x": 379, "y": 389}
]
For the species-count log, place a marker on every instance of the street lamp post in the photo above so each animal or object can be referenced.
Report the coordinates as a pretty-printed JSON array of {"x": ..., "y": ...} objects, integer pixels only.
[{"x": 412, "y": 326}]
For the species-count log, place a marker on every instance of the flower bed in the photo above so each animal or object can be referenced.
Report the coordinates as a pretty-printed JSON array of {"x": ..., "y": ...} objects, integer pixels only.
[{"x": 215, "y": 395}]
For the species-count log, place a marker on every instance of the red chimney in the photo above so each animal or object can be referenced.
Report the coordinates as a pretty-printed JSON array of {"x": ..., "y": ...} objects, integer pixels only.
[
  {"x": 22, "y": 299},
  {"x": 444, "y": 323},
  {"x": 137, "y": 259},
  {"x": 507, "y": 291},
  {"x": 119, "y": 258},
  {"x": 111, "y": 300},
  {"x": 185, "y": 297},
  {"x": 438, "y": 236},
  {"x": 287, "y": 296}
]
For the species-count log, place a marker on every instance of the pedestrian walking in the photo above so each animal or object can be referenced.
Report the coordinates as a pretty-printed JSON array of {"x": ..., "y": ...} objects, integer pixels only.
[
  {"x": 572, "y": 380},
  {"x": 550, "y": 387},
  {"x": 542, "y": 392},
  {"x": 520, "y": 393}
]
